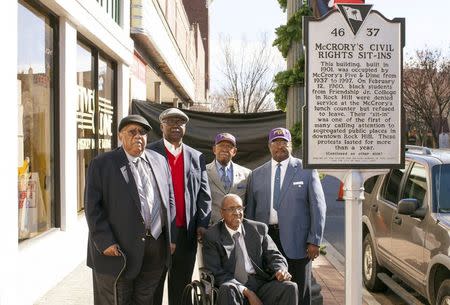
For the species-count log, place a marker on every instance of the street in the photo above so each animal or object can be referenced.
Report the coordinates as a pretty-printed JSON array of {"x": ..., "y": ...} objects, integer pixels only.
[{"x": 335, "y": 232}]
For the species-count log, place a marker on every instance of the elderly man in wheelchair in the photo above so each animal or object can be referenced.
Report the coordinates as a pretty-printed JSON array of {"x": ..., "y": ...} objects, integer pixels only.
[{"x": 244, "y": 263}]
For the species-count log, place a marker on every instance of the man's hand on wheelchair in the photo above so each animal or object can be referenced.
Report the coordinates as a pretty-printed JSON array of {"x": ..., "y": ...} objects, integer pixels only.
[
  {"x": 283, "y": 275},
  {"x": 252, "y": 297}
]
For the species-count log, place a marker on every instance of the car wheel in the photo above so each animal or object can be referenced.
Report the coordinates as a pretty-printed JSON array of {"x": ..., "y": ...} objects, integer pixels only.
[
  {"x": 443, "y": 296},
  {"x": 371, "y": 268}
]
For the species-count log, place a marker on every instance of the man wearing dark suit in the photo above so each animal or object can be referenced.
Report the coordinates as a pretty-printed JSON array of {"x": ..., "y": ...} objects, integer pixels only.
[
  {"x": 192, "y": 200},
  {"x": 290, "y": 200},
  {"x": 244, "y": 260},
  {"x": 129, "y": 207},
  {"x": 225, "y": 176}
]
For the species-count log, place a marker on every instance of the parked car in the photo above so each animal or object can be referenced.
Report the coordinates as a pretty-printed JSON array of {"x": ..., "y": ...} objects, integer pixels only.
[{"x": 406, "y": 227}]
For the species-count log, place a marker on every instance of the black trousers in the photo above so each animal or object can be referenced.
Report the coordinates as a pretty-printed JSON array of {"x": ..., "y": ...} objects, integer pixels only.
[
  {"x": 137, "y": 291},
  {"x": 180, "y": 273},
  {"x": 300, "y": 269}
]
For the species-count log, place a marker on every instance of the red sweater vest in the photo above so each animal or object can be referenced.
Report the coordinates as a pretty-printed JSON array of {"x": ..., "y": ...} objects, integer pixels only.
[{"x": 176, "y": 165}]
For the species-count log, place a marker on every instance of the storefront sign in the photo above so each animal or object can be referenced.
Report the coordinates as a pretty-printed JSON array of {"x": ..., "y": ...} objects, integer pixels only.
[{"x": 353, "y": 112}]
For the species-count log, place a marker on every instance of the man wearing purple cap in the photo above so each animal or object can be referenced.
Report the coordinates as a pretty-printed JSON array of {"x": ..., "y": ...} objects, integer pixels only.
[
  {"x": 225, "y": 176},
  {"x": 290, "y": 200}
]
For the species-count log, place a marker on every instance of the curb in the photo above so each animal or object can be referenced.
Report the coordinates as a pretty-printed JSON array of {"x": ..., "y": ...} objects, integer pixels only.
[{"x": 338, "y": 261}]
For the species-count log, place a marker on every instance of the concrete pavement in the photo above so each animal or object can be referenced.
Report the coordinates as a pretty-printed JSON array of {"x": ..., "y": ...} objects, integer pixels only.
[{"x": 76, "y": 288}]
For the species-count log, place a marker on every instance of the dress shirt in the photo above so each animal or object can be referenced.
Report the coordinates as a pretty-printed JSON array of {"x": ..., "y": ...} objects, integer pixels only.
[
  {"x": 173, "y": 150},
  {"x": 228, "y": 170},
  {"x": 273, "y": 218}
]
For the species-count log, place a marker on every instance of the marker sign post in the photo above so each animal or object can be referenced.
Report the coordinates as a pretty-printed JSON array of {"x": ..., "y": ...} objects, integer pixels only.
[{"x": 353, "y": 115}]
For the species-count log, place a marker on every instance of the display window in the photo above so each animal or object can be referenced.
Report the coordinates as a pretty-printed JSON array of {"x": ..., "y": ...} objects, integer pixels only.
[
  {"x": 36, "y": 60},
  {"x": 96, "y": 109}
]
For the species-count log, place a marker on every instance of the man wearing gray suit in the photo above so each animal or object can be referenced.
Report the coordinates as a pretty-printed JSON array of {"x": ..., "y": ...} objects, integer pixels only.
[
  {"x": 225, "y": 176},
  {"x": 290, "y": 200}
]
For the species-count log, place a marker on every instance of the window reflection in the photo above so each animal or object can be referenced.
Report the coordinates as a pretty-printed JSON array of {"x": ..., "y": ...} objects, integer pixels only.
[
  {"x": 35, "y": 66},
  {"x": 95, "y": 110}
]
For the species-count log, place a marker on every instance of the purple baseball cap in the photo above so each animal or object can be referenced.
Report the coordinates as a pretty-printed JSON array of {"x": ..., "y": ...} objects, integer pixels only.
[
  {"x": 225, "y": 136},
  {"x": 279, "y": 133}
]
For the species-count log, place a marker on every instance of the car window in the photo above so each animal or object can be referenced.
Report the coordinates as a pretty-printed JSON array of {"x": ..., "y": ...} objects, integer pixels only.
[
  {"x": 441, "y": 188},
  {"x": 392, "y": 185},
  {"x": 416, "y": 184},
  {"x": 370, "y": 183}
]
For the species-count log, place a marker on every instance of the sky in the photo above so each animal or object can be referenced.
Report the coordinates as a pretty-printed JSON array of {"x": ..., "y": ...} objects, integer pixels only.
[{"x": 427, "y": 24}]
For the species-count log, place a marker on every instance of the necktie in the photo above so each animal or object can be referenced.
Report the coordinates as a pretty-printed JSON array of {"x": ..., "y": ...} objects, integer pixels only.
[
  {"x": 225, "y": 179},
  {"x": 277, "y": 188},
  {"x": 240, "y": 273},
  {"x": 147, "y": 197}
]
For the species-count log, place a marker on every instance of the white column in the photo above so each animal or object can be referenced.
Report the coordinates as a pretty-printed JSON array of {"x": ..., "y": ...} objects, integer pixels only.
[
  {"x": 123, "y": 92},
  {"x": 9, "y": 155},
  {"x": 354, "y": 195},
  {"x": 68, "y": 128}
]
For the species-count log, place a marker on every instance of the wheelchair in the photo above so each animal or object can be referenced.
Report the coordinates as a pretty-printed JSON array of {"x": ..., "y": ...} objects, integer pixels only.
[{"x": 201, "y": 292}]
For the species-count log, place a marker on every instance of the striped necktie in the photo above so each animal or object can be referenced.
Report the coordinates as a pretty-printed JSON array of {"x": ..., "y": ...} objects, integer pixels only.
[{"x": 150, "y": 210}]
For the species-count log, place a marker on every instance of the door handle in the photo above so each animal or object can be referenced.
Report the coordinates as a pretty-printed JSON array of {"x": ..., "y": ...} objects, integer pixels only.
[
  {"x": 397, "y": 220},
  {"x": 374, "y": 207}
]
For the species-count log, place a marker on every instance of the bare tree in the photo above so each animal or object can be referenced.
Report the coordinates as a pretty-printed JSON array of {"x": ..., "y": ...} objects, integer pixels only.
[
  {"x": 247, "y": 73},
  {"x": 426, "y": 91}
]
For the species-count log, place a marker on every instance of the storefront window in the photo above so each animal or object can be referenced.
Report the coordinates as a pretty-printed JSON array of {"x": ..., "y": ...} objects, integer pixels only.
[
  {"x": 95, "y": 110},
  {"x": 35, "y": 71}
]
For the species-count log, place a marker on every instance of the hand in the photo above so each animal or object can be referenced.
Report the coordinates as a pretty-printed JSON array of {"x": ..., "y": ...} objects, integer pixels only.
[
  {"x": 112, "y": 250},
  {"x": 283, "y": 275},
  {"x": 312, "y": 251},
  {"x": 172, "y": 248},
  {"x": 200, "y": 232},
  {"x": 252, "y": 297}
]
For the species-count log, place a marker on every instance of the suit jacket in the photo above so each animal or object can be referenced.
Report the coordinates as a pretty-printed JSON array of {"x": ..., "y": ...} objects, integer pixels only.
[
  {"x": 240, "y": 175},
  {"x": 219, "y": 252},
  {"x": 113, "y": 211},
  {"x": 196, "y": 187},
  {"x": 301, "y": 216}
]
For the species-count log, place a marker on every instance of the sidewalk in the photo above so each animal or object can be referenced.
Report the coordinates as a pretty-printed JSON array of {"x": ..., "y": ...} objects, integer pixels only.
[{"x": 76, "y": 288}]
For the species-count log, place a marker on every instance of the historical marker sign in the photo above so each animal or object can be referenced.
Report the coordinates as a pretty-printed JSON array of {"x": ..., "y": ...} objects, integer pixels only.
[{"x": 353, "y": 115}]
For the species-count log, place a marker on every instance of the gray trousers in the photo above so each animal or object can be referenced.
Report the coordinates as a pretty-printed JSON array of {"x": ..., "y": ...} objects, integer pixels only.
[{"x": 270, "y": 293}]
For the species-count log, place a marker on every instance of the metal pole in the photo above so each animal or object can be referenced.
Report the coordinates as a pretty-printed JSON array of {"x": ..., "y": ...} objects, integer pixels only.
[{"x": 354, "y": 195}]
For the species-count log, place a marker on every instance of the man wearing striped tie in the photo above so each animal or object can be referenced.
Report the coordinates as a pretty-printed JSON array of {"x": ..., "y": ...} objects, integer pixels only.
[
  {"x": 290, "y": 200},
  {"x": 130, "y": 207}
]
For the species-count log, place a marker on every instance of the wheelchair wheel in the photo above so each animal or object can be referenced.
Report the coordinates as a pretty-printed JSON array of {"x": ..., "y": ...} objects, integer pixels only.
[{"x": 194, "y": 294}]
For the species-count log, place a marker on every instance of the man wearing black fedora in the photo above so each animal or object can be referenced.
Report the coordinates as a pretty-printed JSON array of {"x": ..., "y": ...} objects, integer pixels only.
[{"x": 129, "y": 207}]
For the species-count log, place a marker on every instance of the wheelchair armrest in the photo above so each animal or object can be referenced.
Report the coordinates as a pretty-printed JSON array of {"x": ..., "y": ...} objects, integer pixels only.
[{"x": 206, "y": 275}]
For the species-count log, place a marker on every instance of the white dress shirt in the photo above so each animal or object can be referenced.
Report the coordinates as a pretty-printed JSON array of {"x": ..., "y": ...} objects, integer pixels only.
[
  {"x": 172, "y": 149},
  {"x": 273, "y": 218}
]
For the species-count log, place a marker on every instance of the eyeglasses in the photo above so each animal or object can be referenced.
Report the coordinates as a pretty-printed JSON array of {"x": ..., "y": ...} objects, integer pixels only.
[
  {"x": 135, "y": 131},
  {"x": 234, "y": 209},
  {"x": 174, "y": 122}
]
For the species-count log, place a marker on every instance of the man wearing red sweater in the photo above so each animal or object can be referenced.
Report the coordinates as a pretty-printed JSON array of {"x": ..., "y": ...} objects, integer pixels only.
[{"x": 192, "y": 201}]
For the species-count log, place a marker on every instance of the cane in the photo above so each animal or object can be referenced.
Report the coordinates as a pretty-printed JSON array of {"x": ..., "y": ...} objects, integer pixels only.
[{"x": 116, "y": 300}]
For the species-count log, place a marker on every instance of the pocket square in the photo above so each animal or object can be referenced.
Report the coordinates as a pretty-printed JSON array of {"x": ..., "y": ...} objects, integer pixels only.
[
  {"x": 123, "y": 169},
  {"x": 298, "y": 183}
]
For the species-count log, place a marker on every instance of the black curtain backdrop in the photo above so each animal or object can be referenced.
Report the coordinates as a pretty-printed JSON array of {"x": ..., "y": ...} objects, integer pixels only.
[{"x": 251, "y": 130}]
